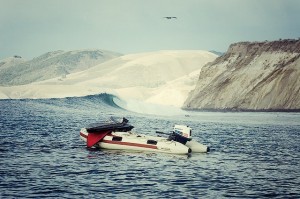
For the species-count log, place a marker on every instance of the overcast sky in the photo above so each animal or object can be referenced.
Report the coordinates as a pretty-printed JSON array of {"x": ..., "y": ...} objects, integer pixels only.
[{"x": 30, "y": 28}]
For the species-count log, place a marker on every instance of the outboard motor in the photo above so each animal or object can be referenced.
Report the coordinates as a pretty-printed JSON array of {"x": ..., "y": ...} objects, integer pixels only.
[
  {"x": 183, "y": 135},
  {"x": 178, "y": 138},
  {"x": 183, "y": 130}
]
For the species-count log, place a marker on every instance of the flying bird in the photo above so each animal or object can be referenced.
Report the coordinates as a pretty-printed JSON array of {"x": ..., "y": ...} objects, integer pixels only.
[{"x": 170, "y": 17}]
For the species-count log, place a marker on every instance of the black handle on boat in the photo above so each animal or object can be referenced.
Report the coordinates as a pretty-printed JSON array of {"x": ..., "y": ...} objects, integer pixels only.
[{"x": 159, "y": 132}]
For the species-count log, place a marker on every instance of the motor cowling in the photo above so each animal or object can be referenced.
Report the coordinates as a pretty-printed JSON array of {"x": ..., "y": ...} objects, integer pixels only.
[{"x": 183, "y": 130}]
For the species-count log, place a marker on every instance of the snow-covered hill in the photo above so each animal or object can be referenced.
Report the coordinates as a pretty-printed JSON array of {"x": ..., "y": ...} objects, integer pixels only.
[
  {"x": 163, "y": 77},
  {"x": 10, "y": 61},
  {"x": 251, "y": 76},
  {"x": 17, "y": 71}
]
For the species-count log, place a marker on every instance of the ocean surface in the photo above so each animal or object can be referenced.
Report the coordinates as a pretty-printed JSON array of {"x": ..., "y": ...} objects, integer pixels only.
[{"x": 253, "y": 155}]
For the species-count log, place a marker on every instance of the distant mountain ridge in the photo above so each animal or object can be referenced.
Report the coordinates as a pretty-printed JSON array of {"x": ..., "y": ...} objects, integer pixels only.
[
  {"x": 17, "y": 71},
  {"x": 160, "y": 77},
  {"x": 250, "y": 76}
]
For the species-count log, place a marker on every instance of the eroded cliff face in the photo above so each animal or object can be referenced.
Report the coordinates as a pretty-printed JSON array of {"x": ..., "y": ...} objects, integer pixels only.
[{"x": 250, "y": 76}]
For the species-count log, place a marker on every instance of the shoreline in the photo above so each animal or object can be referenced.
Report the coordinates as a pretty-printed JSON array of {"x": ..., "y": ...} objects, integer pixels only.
[{"x": 233, "y": 110}]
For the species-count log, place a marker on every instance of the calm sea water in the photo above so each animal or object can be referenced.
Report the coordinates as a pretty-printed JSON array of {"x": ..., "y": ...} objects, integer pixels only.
[{"x": 254, "y": 155}]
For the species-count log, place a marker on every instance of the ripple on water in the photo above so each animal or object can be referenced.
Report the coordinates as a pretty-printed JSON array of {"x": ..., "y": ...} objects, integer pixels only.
[{"x": 252, "y": 156}]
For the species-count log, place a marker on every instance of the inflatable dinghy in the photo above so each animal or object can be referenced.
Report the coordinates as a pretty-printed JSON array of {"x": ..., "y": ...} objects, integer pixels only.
[{"x": 116, "y": 135}]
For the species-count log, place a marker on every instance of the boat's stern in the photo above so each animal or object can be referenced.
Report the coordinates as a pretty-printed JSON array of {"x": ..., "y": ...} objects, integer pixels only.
[{"x": 183, "y": 135}]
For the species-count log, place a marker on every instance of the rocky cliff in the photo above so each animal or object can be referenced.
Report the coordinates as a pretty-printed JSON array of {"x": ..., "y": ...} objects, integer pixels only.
[{"x": 254, "y": 76}]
